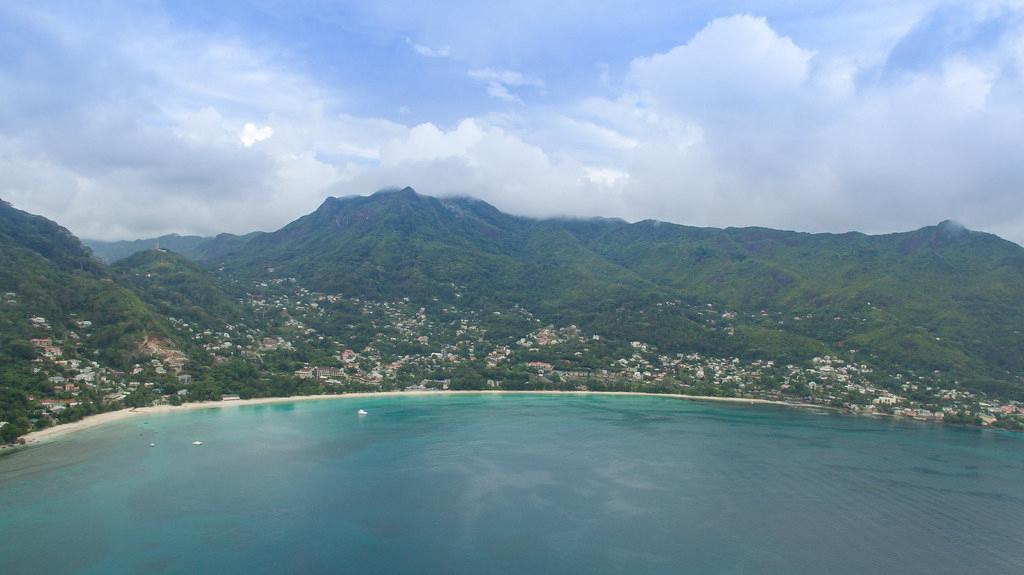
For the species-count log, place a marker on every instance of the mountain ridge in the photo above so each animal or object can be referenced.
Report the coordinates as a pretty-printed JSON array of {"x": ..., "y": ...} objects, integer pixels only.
[
  {"x": 110, "y": 251},
  {"x": 399, "y": 243}
]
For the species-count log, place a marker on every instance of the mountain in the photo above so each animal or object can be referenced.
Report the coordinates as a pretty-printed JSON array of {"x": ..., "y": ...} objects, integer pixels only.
[
  {"x": 942, "y": 297},
  {"x": 193, "y": 247},
  {"x": 939, "y": 298},
  {"x": 46, "y": 272},
  {"x": 177, "y": 287},
  {"x": 56, "y": 293},
  {"x": 111, "y": 252},
  {"x": 402, "y": 244}
]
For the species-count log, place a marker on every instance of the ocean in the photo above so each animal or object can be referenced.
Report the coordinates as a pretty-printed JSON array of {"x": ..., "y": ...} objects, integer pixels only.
[{"x": 515, "y": 484}]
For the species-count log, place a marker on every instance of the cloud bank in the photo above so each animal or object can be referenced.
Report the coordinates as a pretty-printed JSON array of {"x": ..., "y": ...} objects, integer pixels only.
[{"x": 736, "y": 124}]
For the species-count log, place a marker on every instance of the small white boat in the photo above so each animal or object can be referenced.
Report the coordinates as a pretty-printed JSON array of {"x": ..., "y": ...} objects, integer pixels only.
[
  {"x": 197, "y": 443},
  {"x": 362, "y": 412},
  {"x": 152, "y": 445}
]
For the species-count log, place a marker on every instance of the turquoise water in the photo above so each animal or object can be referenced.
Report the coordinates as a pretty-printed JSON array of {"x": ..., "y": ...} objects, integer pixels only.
[{"x": 515, "y": 484}]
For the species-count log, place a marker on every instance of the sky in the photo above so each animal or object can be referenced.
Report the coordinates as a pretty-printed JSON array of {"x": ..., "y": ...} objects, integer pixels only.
[{"x": 123, "y": 120}]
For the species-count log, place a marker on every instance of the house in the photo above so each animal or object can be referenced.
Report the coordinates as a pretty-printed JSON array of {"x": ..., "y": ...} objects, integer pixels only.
[
  {"x": 86, "y": 377},
  {"x": 184, "y": 379},
  {"x": 887, "y": 400},
  {"x": 41, "y": 342},
  {"x": 54, "y": 405},
  {"x": 435, "y": 383},
  {"x": 230, "y": 397},
  {"x": 326, "y": 372},
  {"x": 270, "y": 343},
  {"x": 546, "y": 337}
]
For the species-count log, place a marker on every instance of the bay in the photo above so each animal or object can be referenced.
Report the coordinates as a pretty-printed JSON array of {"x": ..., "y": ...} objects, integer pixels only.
[{"x": 514, "y": 484}]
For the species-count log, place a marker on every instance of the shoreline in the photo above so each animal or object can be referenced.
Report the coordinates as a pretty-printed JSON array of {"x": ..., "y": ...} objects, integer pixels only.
[{"x": 36, "y": 438}]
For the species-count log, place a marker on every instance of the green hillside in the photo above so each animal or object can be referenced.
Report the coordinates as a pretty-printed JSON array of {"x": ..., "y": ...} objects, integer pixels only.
[
  {"x": 397, "y": 289},
  {"x": 111, "y": 252},
  {"x": 397, "y": 244},
  {"x": 939, "y": 298},
  {"x": 51, "y": 275},
  {"x": 54, "y": 290},
  {"x": 177, "y": 287}
]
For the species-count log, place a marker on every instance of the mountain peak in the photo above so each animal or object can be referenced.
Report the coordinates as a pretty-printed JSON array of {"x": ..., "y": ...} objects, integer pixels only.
[
  {"x": 951, "y": 227},
  {"x": 407, "y": 191}
]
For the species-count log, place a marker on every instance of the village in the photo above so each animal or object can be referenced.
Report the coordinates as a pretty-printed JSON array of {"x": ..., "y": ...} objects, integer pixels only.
[{"x": 337, "y": 344}]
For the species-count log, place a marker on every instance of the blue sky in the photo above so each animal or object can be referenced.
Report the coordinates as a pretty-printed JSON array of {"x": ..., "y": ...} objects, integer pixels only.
[{"x": 125, "y": 120}]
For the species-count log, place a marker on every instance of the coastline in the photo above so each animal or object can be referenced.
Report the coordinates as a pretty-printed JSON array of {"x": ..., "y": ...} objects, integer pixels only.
[{"x": 49, "y": 434}]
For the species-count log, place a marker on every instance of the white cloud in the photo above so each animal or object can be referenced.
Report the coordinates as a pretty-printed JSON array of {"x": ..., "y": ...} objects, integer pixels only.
[
  {"x": 607, "y": 177},
  {"x": 499, "y": 91},
  {"x": 499, "y": 82},
  {"x": 426, "y": 143},
  {"x": 251, "y": 134},
  {"x": 427, "y": 51},
  {"x": 736, "y": 125},
  {"x": 742, "y": 126},
  {"x": 486, "y": 161},
  {"x": 598, "y": 134},
  {"x": 740, "y": 59},
  {"x": 505, "y": 77},
  {"x": 969, "y": 83}
]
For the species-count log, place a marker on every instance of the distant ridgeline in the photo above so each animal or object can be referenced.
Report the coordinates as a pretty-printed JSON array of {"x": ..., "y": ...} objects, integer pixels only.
[{"x": 399, "y": 289}]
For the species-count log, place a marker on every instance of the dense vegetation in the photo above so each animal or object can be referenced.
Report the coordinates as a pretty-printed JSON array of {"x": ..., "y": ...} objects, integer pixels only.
[
  {"x": 177, "y": 287},
  {"x": 46, "y": 274},
  {"x": 113, "y": 251},
  {"x": 939, "y": 298},
  {"x": 190, "y": 246},
  {"x": 942, "y": 299}
]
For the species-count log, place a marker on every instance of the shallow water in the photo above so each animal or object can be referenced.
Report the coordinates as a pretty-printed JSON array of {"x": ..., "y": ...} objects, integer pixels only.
[{"x": 515, "y": 484}]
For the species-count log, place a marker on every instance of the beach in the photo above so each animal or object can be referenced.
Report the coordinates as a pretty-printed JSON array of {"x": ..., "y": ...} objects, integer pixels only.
[{"x": 58, "y": 431}]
